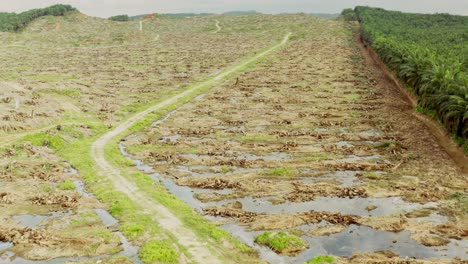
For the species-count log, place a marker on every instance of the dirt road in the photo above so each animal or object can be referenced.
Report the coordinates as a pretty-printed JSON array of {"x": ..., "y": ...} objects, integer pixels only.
[
  {"x": 218, "y": 27},
  {"x": 167, "y": 220}
]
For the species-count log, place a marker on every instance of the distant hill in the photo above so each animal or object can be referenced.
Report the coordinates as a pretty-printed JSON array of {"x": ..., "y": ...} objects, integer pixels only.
[
  {"x": 325, "y": 15},
  {"x": 173, "y": 15},
  {"x": 12, "y": 22},
  {"x": 187, "y": 14},
  {"x": 241, "y": 12}
]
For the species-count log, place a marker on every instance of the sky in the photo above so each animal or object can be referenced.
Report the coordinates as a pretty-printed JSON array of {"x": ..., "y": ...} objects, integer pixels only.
[{"x": 106, "y": 8}]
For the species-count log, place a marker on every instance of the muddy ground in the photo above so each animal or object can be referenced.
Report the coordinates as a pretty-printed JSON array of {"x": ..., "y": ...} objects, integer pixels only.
[
  {"x": 73, "y": 77},
  {"x": 44, "y": 215},
  {"x": 315, "y": 141}
]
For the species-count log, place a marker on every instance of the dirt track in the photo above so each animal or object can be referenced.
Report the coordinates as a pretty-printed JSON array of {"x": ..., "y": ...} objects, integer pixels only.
[
  {"x": 218, "y": 27},
  {"x": 161, "y": 214}
]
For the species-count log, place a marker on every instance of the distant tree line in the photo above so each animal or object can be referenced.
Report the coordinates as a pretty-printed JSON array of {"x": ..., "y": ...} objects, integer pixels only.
[
  {"x": 12, "y": 22},
  {"x": 430, "y": 54},
  {"x": 121, "y": 18},
  {"x": 349, "y": 14}
]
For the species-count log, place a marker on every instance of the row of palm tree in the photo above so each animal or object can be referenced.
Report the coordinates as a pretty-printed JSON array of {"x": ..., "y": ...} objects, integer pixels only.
[
  {"x": 12, "y": 22},
  {"x": 437, "y": 74}
]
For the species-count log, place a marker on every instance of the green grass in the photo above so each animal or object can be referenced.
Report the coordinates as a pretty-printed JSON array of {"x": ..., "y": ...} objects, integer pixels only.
[
  {"x": 279, "y": 241},
  {"x": 68, "y": 185},
  {"x": 44, "y": 139},
  {"x": 372, "y": 175},
  {"x": 159, "y": 251},
  {"x": 50, "y": 77},
  {"x": 321, "y": 260},
  {"x": 69, "y": 92},
  {"x": 316, "y": 157},
  {"x": 281, "y": 172}
]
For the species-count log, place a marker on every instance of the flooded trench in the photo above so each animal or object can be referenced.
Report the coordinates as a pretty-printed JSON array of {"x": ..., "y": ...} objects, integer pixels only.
[{"x": 304, "y": 132}]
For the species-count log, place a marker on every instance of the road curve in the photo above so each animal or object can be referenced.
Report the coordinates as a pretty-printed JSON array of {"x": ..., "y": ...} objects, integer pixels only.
[
  {"x": 218, "y": 27},
  {"x": 167, "y": 220}
]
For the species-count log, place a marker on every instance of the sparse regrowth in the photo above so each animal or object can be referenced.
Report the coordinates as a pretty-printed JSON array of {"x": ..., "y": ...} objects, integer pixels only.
[
  {"x": 282, "y": 242},
  {"x": 68, "y": 185},
  {"x": 281, "y": 172},
  {"x": 159, "y": 252},
  {"x": 321, "y": 260}
]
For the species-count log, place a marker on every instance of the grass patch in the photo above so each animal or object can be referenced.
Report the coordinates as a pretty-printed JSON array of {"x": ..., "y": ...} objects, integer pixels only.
[
  {"x": 281, "y": 172},
  {"x": 44, "y": 139},
  {"x": 50, "y": 77},
  {"x": 280, "y": 242},
  {"x": 316, "y": 157},
  {"x": 372, "y": 175},
  {"x": 159, "y": 251},
  {"x": 68, "y": 185},
  {"x": 321, "y": 260},
  {"x": 69, "y": 92}
]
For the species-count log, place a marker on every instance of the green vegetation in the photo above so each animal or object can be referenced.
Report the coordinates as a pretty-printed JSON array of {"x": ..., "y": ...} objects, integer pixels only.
[
  {"x": 66, "y": 185},
  {"x": 281, "y": 171},
  {"x": 44, "y": 139},
  {"x": 12, "y": 22},
  {"x": 159, "y": 251},
  {"x": 70, "y": 92},
  {"x": 280, "y": 241},
  {"x": 429, "y": 53},
  {"x": 349, "y": 14},
  {"x": 461, "y": 200},
  {"x": 321, "y": 260},
  {"x": 121, "y": 18}
]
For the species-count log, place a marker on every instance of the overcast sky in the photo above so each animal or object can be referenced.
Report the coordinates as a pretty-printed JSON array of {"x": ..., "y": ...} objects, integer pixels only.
[{"x": 106, "y": 8}]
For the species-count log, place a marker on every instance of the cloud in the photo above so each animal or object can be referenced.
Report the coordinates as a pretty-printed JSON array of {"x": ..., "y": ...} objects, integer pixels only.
[{"x": 106, "y": 8}]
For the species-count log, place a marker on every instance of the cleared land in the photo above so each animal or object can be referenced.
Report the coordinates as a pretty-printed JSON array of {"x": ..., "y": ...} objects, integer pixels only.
[
  {"x": 314, "y": 142},
  {"x": 311, "y": 143}
]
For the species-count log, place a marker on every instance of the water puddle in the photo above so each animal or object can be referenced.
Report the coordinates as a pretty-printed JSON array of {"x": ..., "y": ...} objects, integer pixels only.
[
  {"x": 345, "y": 178},
  {"x": 205, "y": 171},
  {"x": 80, "y": 188},
  {"x": 274, "y": 156},
  {"x": 106, "y": 218},
  {"x": 344, "y": 244},
  {"x": 34, "y": 221},
  {"x": 370, "y": 133},
  {"x": 71, "y": 171},
  {"x": 5, "y": 245},
  {"x": 354, "y": 158},
  {"x": 161, "y": 121},
  {"x": 170, "y": 139},
  {"x": 354, "y": 238},
  {"x": 355, "y": 206},
  {"x": 31, "y": 221},
  {"x": 138, "y": 163},
  {"x": 344, "y": 144}
]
